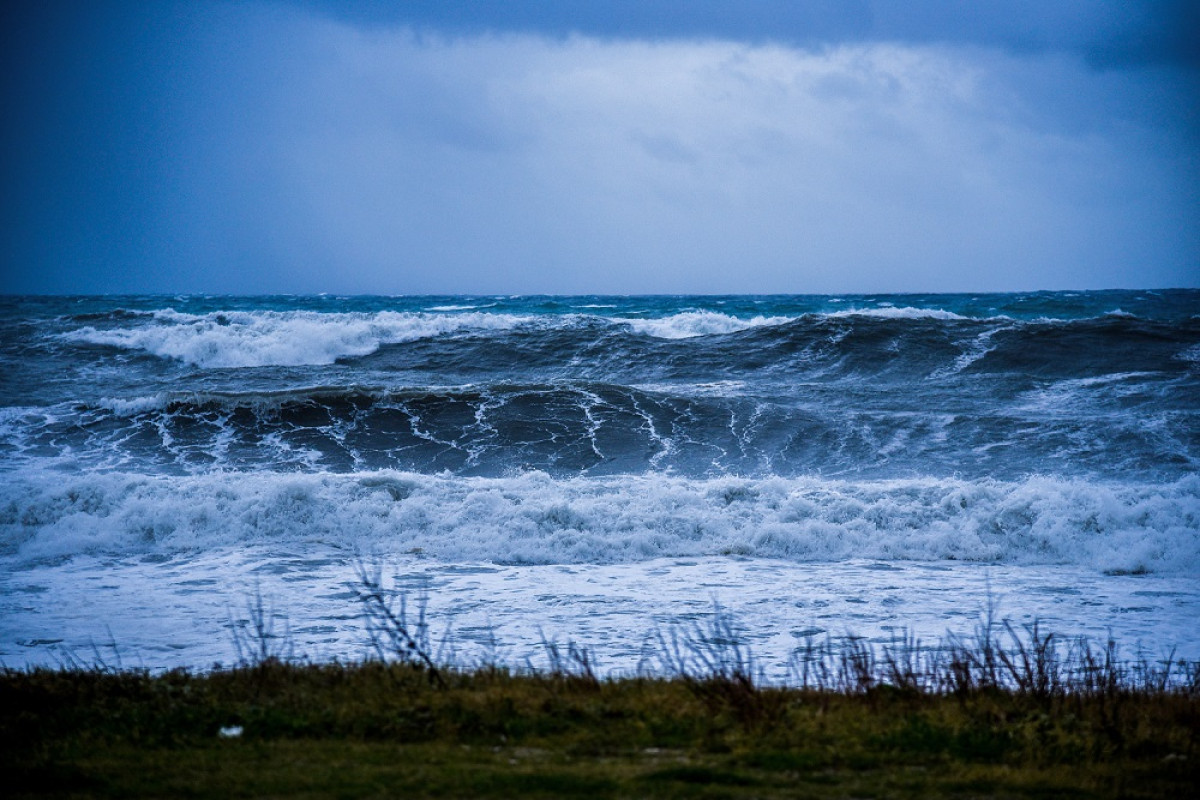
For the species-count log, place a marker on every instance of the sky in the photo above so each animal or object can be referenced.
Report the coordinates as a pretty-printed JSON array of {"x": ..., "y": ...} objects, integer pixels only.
[{"x": 624, "y": 147}]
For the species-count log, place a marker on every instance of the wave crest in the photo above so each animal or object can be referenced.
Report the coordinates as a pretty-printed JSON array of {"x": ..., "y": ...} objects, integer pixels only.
[
  {"x": 689, "y": 324},
  {"x": 283, "y": 338}
]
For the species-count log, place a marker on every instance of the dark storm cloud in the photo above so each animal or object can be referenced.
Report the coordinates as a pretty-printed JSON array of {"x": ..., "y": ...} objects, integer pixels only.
[
  {"x": 1108, "y": 33},
  {"x": 623, "y": 147}
]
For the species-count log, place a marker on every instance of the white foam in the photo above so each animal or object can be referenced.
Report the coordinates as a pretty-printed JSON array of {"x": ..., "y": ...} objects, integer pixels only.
[
  {"x": 1063, "y": 398},
  {"x": 706, "y": 389},
  {"x": 161, "y": 401},
  {"x": 689, "y": 324},
  {"x": 298, "y": 338},
  {"x": 283, "y": 338},
  {"x": 532, "y": 518},
  {"x": 176, "y": 612},
  {"x": 892, "y": 312},
  {"x": 1191, "y": 354},
  {"x": 131, "y": 406},
  {"x": 971, "y": 354}
]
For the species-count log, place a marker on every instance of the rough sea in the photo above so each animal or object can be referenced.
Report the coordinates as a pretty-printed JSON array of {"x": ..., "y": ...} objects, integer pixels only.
[{"x": 595, "y": 469}]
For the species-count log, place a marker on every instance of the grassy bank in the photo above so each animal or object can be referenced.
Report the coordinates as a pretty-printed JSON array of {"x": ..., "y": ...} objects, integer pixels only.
[
  {"x": 377, "y": 729},
  {"x": 1007, "y": 712}
]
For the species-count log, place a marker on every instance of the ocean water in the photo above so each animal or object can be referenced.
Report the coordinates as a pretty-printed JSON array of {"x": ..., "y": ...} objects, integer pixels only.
[{"x": 595, "y": 468}]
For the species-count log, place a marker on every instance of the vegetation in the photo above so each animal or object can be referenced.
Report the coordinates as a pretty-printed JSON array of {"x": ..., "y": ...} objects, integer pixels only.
[{"x": 1009, "y": 712}]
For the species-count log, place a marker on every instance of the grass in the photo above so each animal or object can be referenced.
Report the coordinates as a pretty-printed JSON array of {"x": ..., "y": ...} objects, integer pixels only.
[{"x": 1007, "y": 712}]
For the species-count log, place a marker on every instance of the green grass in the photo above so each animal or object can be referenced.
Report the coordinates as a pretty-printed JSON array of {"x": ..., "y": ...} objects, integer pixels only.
[
  {"x": 375, "y": 729},
  {"x": 1003, "y": 713}
]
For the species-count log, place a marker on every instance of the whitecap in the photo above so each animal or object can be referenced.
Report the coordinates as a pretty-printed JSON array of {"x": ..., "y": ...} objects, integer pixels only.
[
  {"x": 893, "y": 312},
  {"x": 283, "y": 338},
  {"x": 690, "y": 324}
]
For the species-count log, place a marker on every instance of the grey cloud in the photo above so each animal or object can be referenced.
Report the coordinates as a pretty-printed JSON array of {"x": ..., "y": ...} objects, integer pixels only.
[
  {"x": 885, "y": 165},
  {"x": 1110, "y": 34},
  {"x": 293, "y": 152}
]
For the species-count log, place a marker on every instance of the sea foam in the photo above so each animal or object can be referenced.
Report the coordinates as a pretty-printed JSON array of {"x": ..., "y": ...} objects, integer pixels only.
[
  {"x": 533, "y": 518},
  {"x": 308, "y": 338},
  {"x": 905, "y": 312},
  {"x": 283, "y": 338},
  {"x": 689, "y": 324}
]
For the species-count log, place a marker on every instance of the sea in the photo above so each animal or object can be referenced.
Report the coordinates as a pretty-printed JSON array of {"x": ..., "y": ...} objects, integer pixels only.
[{"x": 594, "y": 470}]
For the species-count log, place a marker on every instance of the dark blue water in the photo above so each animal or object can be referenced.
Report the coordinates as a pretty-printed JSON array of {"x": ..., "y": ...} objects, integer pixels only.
[{"x": 1095, "y": 384}]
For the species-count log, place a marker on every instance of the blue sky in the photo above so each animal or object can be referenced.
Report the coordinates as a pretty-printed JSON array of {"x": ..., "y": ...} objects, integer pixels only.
[{"x": 624, "y": 147}]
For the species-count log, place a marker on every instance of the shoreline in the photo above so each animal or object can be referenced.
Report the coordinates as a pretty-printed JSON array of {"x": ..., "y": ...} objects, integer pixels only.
[{"x": 178, "y": 613}]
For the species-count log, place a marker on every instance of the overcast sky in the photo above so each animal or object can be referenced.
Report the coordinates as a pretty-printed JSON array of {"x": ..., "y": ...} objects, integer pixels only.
[{"x": 629, "y": 146}]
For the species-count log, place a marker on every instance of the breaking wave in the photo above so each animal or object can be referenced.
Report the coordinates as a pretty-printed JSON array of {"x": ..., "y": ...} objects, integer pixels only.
[
  {"x": 698, "y": 323},
  {"x": 918, "y": 342},
  {"x": 282, "y": 338},
  {"x": 534, "y": 518}
]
